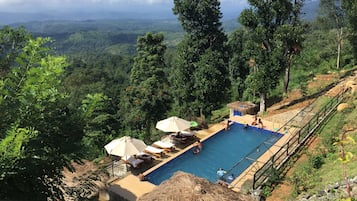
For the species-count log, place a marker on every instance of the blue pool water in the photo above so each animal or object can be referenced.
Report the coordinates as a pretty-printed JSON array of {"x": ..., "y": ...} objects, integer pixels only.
[{"x": 222, "y": 150}]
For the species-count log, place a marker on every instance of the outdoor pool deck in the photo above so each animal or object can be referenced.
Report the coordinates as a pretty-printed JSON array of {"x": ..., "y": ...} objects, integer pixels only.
[{"x": 138, "y": 188}]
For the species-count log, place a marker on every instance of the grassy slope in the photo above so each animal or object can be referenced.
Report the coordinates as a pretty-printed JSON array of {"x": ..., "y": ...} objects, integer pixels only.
[
  {"x": 331, "y": 170},
  {"x": 315, "y": 179}
]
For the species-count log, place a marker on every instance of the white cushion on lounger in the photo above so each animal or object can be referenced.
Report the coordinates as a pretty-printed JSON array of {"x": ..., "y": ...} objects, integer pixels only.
[
  {"x": 152, "y": 149},
  {"x": 164, "y": 145},
  {"x": 187, "y": 133}
]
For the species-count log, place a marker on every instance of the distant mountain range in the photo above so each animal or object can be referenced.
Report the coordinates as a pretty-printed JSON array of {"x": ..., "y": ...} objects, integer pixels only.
[{"x": 8, "y": 18}]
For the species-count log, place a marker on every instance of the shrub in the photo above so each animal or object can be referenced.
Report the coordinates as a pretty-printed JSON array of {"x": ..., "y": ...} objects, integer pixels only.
[{"x": 316, "y": 161}]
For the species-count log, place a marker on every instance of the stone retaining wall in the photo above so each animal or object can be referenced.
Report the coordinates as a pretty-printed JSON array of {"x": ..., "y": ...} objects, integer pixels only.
[{"x": 334, "y": 191}]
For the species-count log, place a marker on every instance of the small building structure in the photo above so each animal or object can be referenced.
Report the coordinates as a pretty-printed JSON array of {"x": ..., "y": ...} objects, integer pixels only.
[{"x": 239, "y": 108}]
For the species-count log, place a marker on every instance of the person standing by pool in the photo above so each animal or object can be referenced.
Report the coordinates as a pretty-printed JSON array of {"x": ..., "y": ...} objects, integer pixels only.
[
  {"x": 260, "y": 123},
  {"x": 228, "y": 124}
]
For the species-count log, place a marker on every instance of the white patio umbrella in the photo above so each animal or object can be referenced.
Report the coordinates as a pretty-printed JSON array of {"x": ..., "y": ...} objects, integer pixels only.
[
  {"x": 173, "y": 124},
  {"x": 125, "y": 146}
]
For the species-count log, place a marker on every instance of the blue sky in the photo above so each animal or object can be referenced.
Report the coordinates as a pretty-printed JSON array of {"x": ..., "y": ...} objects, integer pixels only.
[{"x": 90, "y": 5}]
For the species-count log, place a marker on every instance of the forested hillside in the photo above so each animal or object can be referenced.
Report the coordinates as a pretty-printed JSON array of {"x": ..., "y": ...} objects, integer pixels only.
[{"x": 67, "y": 88}]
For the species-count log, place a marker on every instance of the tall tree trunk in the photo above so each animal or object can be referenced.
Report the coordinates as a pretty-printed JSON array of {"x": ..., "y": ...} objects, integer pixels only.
[
  {"x": 339, "y": 47},
  {"x": 287, "y": 75},
  {"x": 262, "y": 102}
]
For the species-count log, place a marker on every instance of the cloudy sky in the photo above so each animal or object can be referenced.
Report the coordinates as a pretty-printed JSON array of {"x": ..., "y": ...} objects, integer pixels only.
[{"x": 83, "y": 5}]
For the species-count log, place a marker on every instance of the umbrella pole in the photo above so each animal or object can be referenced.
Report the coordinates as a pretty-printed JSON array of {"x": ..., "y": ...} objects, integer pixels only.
[{"x": 112, "y": 168}]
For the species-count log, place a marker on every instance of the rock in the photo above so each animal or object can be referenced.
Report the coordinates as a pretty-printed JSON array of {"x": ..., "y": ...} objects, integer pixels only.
[
  {"x": 313, "y": 197},
  {"x": 354, "y": 180},
  {"x": 342, "y": 106},
  {"x": 336, "y": 185},
  {"x": 197, "y": 188},
  {"x": 320, "y": 193},
  {"x": 354, "y": 190}
]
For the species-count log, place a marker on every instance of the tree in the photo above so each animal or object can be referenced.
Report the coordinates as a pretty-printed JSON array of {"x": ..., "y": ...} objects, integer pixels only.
[
  {"x": 332, "y": 14},
  {"x": 200, "y": 83},
  {"x": 351, "y": 13},
  {"x": 275, "y": 35},
  {"x": 11, "y": 43},
  {"x": 147, "y": 98},
  {"x": 238, "y": 67},
  {"x": 38, "y": 134},
  {"x": 97, "y": 124}
]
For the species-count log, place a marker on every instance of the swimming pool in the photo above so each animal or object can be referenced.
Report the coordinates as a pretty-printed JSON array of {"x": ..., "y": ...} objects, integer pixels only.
[{"x": 222, "y": 150}]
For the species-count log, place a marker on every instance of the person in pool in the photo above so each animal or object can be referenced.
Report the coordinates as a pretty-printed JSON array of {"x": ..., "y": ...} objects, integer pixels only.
[
  {"x": 198, "y": 147},
  {"x": 220, "y": 172}
]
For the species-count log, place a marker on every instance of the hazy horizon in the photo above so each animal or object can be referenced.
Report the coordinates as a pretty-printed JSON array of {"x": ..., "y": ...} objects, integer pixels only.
[{"x": 17, "y": 11}]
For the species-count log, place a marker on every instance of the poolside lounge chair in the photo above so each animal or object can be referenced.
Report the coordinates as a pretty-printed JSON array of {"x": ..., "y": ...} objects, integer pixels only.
[
  {"x": 145, "y": 157},
  {"x": 187, "y": 133},
  {"x": 178, "y": 138},
  {"x": 154, "y": 151},
  {"x": 133, "y": 161},
  {"x": 167, "y": 146}
]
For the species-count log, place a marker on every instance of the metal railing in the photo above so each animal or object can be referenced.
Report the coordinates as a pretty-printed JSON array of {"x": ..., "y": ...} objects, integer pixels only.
[{"x": 297, "y": 139}]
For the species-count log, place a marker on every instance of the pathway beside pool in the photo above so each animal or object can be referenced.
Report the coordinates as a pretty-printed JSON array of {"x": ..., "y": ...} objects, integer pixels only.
[{"x": 137, "y": 188}]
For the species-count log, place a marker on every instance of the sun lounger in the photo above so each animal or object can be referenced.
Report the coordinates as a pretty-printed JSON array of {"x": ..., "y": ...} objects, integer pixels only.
[
  {"x": 133, "y": 162},
  {"x": 187, "y": 133},
  {"x": 175, "y": 138},
  {"x": 167, "y": 146},
  {"x": 144, "y": 156},
  {"x": 154, "y": 151}
]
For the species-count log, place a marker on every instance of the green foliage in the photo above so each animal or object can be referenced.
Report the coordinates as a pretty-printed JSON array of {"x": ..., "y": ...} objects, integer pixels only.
[
  {"x": 330, "y": 131},
  {"x": 36, "y": 127},
  {"x": 12, "y": 41},
  {"x": 316, "y": 161},
  {"x": 219, "y": 115},
  {"x": 238, "y": 64},
  {"x": 267, "y": 190},
  {"x": 147, "y": 98},
  {"x": 351, "y": 13},
  {"x": 331, "y": 15},
  {"x": 96, "y": 73},
  {"x": 11, "y": 146},
  {"x": 303, "y": 178},
  {"x": 97, "y": 124},
  {"x": 275, "y": 35}
]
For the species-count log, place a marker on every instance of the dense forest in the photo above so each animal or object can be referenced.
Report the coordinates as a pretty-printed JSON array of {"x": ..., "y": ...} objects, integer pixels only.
[{"x": 68, "y": 89}]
